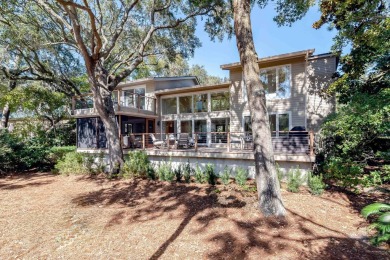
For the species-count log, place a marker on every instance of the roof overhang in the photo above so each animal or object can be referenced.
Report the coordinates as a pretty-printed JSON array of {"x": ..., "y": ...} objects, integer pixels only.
[
  {"x": 267, "y": 61},
  {"x": 154, "y": 79},
  {"x": 192, "y": 89}
]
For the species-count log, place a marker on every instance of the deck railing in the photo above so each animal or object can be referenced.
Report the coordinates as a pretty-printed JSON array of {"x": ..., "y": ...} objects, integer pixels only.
[
  {"x": 291, "y": 142},
  {"x": 82, "y": 105}
]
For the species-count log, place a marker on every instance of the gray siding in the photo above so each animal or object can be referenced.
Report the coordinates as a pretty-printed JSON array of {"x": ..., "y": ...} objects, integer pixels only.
[
  {"x": 295, "y": 104},
  {"x": 319, "y": 105}
]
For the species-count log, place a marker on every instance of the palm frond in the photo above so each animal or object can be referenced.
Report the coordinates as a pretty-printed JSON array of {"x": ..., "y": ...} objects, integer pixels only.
[{"x": 374, "y": 208}]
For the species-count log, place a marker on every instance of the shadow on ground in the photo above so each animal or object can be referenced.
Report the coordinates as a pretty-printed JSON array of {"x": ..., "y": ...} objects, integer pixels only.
[{"x": 150, "y": 200}]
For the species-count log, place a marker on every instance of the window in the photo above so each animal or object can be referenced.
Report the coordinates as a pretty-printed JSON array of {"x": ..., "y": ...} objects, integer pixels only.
[
  {"x": 186, "y": 127},
  {"x": 279, "y": 124},
  {"x": 219, "y": 129},
  {"x": 200, "y": 103},
  {"x": 220, "y": 101},
  {"x": 131, "y": 96},
  {"x": 277, "y": 81},
  {"x": 169, "y": 106},
  {"x": 201, "y": 129},
  {"x": 185, "y": 104},
  {"x": 247, "y": 124}
]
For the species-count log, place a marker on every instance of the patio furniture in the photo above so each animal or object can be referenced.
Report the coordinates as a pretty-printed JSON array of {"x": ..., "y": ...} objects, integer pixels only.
[
  {"x": 183, "y": 140},
  {"x": 135, "y": 142},
  {"x": 157, "y": 143},
  {"x": 126, "y": 143}
]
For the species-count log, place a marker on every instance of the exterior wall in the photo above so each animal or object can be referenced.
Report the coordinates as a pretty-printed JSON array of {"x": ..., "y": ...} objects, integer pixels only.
[
  {"x": 319, "y": 106},
  {"x": 295, "y": 104}
]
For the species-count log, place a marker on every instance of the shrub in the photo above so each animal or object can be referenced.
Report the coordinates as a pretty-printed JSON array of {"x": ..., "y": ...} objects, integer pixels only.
[
  {"x": 294, "y": 180},
  {"x": 58, "y": 152},
  {"x": 344, "y": 173},
  {"x": 225, "y": 176},
  {"x": 178, "y": 173},
  {"x": 382, "y": 222},
  {"x": 150, "y": 173},
  {"x": 209, "y": 173},
  {"x": 165, "y": 172},
  {"x": 241, "y": 176},
  {"x": 187, "y": 170},
  {"x": 72, "y": 163},
  {"x": 316, "y": 184},
  {"x": 199, "y": 175},
  {"x": 279, "y": 172},
  {"x": 136, "y": 166}
]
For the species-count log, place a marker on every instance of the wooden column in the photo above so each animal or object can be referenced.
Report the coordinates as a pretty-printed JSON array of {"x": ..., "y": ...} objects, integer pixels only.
[
  {"x": 143, "y": 141},
  {"x": 196, "y": 142}
]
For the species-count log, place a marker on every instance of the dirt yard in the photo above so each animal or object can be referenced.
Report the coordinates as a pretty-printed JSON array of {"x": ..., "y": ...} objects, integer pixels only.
[{"x": 43, "y": 216}]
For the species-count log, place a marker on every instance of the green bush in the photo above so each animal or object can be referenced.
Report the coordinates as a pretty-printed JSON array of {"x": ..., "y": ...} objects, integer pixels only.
[
  {"x": 382, "y": 222},
  {"x": 344, "y": 173},
  {"x": 316, "y": 184},
  {"x": 151, "y": 174},
  {"x": 187, "y": 170},
  {"x": 165, "y": 172},
  {"x": 178, "y": 173},
  {"x": 294, "y": 180},
  {"x": 225, "y": 176},
  {"x": 22, "y": 153},
  {"x": 210, "y": 174},
  {"x": 199, "y": 175},
  {"x": 279, "y": 172},
  {"x": 241, "y": 176},
  {"x": 71, "y": 163},
  {"x": 58, "y": 152},
  {"x": 136, "y": 166}
]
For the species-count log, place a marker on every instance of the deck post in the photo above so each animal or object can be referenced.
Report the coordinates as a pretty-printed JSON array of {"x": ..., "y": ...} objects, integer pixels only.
[
  {"x": 311, "y": 143},
  {"x": 196, "y": 142},
  {"x": 228, "y": 141},
  {"x": 143, "y": 141}
]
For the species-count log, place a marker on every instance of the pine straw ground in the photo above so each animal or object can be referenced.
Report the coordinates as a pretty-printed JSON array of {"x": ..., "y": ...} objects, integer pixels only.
[{"x": 77, "y": 217}]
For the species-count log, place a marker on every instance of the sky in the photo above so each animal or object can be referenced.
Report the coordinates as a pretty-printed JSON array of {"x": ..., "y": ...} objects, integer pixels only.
[{"x": 268, "y": 37}]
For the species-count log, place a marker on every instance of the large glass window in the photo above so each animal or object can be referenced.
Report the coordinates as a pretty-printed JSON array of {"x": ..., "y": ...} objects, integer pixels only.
[
  {"x": 131, "y": 96},
  {"x": 201, "y": 130},
  {"x": 200, "y": 103},
  {"x": 277, "y": 81},
  {"x": 185, "y": 104},
  {"x": 169, "y": 106},
  {"x": 186, "y": 127},
  {"x": 220, "y": 101}
]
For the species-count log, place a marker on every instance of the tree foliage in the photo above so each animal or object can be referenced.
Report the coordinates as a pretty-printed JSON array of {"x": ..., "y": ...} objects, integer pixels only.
[{"x": 357, "y": 136}]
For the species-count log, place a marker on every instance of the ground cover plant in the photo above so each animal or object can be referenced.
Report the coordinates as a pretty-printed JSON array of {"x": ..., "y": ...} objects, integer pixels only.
[
  {"x": 294, "y": 180},
  {"x": 381, "y": 223}
]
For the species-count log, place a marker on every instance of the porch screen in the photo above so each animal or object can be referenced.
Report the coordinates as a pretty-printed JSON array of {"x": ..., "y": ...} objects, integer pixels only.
[{"x": 169, "y": 106}]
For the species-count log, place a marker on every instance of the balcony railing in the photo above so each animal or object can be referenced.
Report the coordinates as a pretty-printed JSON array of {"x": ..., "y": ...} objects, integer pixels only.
[
  {"x": 136, "y": 103},
  {"x": 292, "y": 142}
]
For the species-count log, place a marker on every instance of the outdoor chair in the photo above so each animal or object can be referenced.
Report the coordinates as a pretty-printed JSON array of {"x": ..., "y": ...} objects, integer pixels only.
[
  {"x": 183, "y": 140},
  {"x": 157, "y": 143},
  {"x": 126, "y": 143},
  {"x": 135, "y": 143}
]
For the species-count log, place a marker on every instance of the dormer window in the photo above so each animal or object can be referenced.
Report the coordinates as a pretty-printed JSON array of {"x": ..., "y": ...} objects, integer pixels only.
[{"x": 277, "y": 81}]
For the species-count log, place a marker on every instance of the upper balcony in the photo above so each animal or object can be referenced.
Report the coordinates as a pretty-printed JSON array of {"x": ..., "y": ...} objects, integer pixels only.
[{"x": 124, "y": 103}]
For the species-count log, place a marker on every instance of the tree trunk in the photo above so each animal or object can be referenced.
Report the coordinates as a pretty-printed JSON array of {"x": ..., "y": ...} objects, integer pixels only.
[
  {"x": 270, "y": 200},
  {"x": 6, "y": 110},
  {"x": 5, "y": 116},
  {"x": 102, "y": 98}
]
